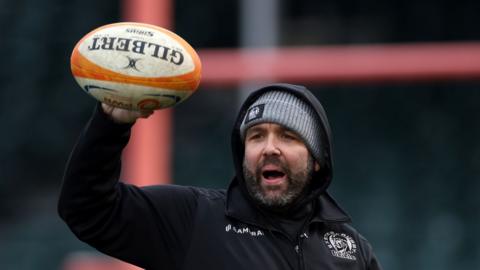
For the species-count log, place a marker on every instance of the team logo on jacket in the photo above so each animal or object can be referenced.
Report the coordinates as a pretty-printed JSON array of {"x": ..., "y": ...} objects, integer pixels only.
[{"x": 341, "y": 245}]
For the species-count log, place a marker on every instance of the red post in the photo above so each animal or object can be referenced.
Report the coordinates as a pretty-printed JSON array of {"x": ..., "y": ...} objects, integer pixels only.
[{"x": 146, "y": 160}]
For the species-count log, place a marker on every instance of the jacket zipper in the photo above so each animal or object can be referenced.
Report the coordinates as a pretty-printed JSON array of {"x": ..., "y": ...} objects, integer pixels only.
[{"x": 299, "y": 251}]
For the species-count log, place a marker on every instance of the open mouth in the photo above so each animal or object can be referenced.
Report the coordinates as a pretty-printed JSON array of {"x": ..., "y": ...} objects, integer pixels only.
[{"x": 273, "y": 176}]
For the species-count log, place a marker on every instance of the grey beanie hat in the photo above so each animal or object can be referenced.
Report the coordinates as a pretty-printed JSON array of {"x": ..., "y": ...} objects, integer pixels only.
[{"x": 286, "y": 109}]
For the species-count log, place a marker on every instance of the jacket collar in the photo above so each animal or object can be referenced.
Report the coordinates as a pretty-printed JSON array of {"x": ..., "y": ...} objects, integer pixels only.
[
  {"x": 327, "y": 210},
  {"x": 239, "y": 206}
]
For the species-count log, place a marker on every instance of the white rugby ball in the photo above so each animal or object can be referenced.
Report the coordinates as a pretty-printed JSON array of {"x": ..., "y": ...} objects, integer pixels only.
[{"x": 136, "y": 66}]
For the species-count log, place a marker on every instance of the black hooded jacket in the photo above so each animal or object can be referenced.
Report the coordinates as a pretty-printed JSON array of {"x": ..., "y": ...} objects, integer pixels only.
[{"x": 178, "y": 227}]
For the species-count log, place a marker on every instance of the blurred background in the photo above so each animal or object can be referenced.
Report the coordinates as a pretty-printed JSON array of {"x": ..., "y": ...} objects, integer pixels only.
[{"x": 406, "y": 151}]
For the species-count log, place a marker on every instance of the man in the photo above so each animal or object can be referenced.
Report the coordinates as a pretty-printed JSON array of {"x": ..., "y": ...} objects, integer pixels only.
[{"x": 276, "y": 213}]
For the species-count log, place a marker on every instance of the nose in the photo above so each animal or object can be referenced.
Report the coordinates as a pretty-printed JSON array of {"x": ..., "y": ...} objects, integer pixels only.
[{"x": 271, "y": 146}]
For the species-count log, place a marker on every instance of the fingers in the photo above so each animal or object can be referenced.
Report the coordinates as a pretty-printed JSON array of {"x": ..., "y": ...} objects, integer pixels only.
[
  {"x": 125, "y": 116},
  {"x": 107, "y": 108}
]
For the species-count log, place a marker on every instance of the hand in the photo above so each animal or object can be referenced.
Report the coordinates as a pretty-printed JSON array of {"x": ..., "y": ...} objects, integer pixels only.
[{"x": 123, "y": 116}]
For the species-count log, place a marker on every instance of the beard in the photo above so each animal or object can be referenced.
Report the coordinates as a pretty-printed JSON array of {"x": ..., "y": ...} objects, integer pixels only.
[{"x": 297, "y": 184}]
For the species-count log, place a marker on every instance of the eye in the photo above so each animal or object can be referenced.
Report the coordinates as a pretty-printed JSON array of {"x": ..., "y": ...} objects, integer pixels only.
[
  {"x": 290, "y": 136},
  {"x": 254, "y": 136}
]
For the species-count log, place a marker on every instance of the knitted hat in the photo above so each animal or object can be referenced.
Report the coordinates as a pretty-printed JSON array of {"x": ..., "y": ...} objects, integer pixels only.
[{"x": 286, "y": 109}]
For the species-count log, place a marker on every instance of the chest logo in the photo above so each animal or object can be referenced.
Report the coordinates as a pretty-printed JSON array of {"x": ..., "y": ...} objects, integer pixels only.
[{"x": 341, "y": 245}]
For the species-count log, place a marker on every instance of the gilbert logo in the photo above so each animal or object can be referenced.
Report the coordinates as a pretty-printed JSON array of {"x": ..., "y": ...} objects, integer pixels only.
[
  {"x": 341, "y": 245},
  {"x": 243, "y": 230},
  {"x": 136, "y": 46}
]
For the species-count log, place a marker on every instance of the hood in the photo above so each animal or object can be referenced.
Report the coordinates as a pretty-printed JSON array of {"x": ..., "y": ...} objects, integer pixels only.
[{"x": 321, "y": 180}]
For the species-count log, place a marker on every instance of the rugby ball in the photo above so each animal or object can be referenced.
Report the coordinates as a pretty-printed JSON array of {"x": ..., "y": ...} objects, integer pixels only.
[{"x": 136, "y": 66}]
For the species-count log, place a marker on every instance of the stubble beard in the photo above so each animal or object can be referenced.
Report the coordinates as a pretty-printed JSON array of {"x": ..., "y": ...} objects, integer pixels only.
[{"x": 297, "y": 183}]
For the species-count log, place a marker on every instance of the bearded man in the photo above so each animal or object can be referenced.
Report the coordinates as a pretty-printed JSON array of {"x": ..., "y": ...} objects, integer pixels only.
[{"x": 275, "y": 214}]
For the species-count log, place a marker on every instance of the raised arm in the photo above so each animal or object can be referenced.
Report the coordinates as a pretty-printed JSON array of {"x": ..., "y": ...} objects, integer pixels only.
[{"x": 143, "y": 226}]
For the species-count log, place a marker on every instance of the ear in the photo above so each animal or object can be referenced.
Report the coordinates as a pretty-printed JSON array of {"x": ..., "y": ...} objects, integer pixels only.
[{"x": 316, "y": 167}]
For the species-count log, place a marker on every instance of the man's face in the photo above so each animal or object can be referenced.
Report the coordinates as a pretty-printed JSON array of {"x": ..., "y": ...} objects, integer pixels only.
[{"x": 277, "y": 166}]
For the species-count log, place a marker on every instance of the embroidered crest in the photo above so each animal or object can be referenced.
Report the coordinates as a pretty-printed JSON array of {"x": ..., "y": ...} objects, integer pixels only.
[
  {"x": 341, "y": 245},
  {"x": 254, "y": 113}
]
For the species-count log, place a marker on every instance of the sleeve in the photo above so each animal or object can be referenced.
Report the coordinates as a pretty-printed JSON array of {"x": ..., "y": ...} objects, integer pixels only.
[{"x": 142, "y": 226}]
